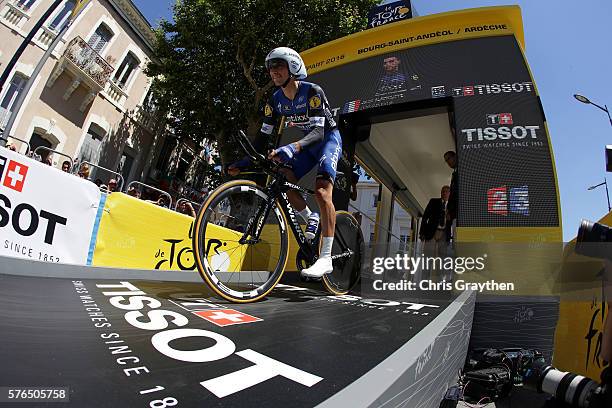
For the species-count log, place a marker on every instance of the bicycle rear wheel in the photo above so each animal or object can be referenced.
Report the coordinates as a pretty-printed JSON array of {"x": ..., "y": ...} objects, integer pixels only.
[
  {"x": 237, "y": 266},
  {"x": 347, "y": 268}
]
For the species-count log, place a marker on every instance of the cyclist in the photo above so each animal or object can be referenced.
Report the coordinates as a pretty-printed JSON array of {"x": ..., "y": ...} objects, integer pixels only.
[{"x": 304, "y": 105}]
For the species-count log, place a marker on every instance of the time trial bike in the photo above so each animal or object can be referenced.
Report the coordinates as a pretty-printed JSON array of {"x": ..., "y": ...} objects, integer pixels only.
[{"x": 241, "y": 243}]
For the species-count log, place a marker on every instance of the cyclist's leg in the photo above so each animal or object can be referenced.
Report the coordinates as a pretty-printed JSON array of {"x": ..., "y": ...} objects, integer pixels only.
[
  {"x": 323, "y": 195},
  {"x": 295, "y": 198},
  {"x": 301, "y": 164},
  {"x": 329, "y": 155}
]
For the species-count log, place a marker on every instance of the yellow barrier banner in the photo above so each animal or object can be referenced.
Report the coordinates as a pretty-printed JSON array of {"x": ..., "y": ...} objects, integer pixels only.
[{"x": 137, "y": 234}]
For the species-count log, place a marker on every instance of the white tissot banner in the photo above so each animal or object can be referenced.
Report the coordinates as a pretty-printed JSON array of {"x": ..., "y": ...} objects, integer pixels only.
[{"x": 45, "y": 214}]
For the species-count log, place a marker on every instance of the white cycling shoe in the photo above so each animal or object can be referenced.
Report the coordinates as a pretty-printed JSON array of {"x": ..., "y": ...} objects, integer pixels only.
[{"x": 320, "y": 268}]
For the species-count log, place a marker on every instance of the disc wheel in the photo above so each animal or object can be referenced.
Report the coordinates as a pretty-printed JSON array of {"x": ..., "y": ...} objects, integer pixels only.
[
  {"x": 237, "y": 266},
  {"x": 347, "y": 269}
]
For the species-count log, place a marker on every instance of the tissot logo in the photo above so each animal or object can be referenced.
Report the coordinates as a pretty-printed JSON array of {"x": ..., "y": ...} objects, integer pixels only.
[
  {"x": 501, "y": 203},
  {"x": 499, "y": 119},
  {"x": 15, "y": 175},
  {"x": 502, "y": 132},
  {"x": 487, "y": 89}
]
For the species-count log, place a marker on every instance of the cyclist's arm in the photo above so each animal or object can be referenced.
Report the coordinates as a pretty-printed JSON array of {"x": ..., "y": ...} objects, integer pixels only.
[
  {"x": 316, "y": 115},
  {"x": 261, "y": 140},
  {"x": 267, "y": 127}
]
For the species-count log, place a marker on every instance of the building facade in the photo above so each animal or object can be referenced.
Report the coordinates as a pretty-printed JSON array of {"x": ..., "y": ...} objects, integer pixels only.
[
  {"x": 91, "y": 100},
  {"x": 402, "y": 224}
]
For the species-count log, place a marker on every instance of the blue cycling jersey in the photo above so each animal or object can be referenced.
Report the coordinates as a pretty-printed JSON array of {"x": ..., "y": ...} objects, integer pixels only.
[{"x": 308, "y": 111}]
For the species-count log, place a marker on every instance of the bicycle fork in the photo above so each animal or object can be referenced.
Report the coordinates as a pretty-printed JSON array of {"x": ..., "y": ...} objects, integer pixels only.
[{"x": 257, "y": 223}]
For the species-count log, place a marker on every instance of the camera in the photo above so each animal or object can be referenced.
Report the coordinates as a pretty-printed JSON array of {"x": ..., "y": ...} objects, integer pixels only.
[
  {"x": 569, "y": 389},
  {"x": 594, "y": 240},
  {"x": 492, "y": 373}
]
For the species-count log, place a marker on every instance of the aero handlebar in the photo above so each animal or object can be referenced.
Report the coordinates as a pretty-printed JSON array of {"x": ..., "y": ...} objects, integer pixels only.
[{"x": 256, "y": 157}]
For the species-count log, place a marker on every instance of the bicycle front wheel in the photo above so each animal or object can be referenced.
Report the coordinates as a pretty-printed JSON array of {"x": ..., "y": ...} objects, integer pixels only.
[{"x": 237, "y": 265}]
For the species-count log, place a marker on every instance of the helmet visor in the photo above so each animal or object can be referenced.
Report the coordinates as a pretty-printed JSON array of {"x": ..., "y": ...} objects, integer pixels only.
[{"x": 276, "y": 63}]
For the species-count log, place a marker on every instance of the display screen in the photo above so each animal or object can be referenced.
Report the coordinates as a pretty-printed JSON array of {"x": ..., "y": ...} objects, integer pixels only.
[{"x": 505, "y": 171}]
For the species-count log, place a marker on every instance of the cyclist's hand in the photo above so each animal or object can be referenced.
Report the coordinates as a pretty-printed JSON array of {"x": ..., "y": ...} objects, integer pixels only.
[{"x": 284, "y": 154}]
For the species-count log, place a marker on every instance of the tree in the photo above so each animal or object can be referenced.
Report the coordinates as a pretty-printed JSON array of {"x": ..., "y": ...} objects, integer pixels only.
[{"x": 209, "y": 66}]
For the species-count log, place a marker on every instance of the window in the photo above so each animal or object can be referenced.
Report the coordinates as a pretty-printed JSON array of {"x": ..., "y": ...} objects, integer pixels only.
[
  {"x": 37, "y": 141},
  {"x": 61, "y": 18},
  {"x": 125, "y": 70},
  {"x": 100, "y": 38},
  {"x": 125, "y": 165},
  {"x": 149, "y": 101},
  {"x": 166, "y": 154},
  {"x": 14, "y": 90},
  {"x": 25, "y": 4},
  {"x": 375, "y": 201},
  {"x": 90, "y": 149}
]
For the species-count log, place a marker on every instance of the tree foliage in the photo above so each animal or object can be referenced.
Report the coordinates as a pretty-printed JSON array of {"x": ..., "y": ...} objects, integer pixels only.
[{"x": 209, "y": 66}]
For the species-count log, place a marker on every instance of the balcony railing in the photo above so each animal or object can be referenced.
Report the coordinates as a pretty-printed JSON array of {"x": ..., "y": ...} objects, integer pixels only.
[
  {"x": 15, "y": 13},
  {"x": 147, "y": 116},
  {"x": 88, "y": 61}
]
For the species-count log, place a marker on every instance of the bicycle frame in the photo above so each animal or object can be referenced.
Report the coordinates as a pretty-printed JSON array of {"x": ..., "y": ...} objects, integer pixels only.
[{"x": 277, "y": 191}]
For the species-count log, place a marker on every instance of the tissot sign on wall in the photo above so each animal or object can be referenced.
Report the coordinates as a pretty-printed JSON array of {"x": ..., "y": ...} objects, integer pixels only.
[
  {"x": 506, "y": 175},
  {"x": 45, "y": 214}
]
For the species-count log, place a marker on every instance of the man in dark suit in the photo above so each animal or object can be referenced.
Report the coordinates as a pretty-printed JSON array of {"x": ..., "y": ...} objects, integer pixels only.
[
  {"x": 434, "y": 217},
  {"x": 450, "y": 158},
  {"x": 434, "y": 225}
]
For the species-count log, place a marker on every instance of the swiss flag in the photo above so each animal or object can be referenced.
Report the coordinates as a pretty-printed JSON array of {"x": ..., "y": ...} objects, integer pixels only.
[
  {"x": 226, "y": 317},
  {"x": 468, "y": 91},
  {"x": 505, "y": 119},
  {"x": 15, "y": 175}
]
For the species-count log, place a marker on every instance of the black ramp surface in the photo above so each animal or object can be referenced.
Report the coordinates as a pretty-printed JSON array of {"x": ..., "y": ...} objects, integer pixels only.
[{"x": 145, "y": 343}]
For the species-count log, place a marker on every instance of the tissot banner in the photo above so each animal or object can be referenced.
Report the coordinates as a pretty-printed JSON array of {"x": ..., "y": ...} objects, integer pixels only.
[
  {"x": 506, "y": 176},
  {"x": 45, "y": 214}
]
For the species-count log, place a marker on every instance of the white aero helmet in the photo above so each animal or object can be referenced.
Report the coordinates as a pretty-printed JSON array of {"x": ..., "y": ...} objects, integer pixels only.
[{"x": 296, "y": 65}]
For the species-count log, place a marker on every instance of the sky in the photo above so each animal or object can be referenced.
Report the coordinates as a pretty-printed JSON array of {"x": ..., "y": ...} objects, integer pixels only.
[{"x": 568, "y": 49}]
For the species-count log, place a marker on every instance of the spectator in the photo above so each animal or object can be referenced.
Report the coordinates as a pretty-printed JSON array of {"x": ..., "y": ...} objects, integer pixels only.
[
  {"x": 11, "y": 147},
  {"x": 112, "y": 185},
  {"x": 66, "y": 166},
  {"x": 48, "y": 161},
  {"x": 133, "y": 191},
  {"x": 162, "y": 201},
  {"x": 98, "y": 183},
  {"x": 84, "y": 172},
  {"x": 451, "y": 209},
  {"x": 433, "y": 226},
  {"x": 186, "y": 208}
]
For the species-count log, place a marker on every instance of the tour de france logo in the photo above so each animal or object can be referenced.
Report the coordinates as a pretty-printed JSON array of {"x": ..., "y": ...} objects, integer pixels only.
[{"x": 315, "y": 102}]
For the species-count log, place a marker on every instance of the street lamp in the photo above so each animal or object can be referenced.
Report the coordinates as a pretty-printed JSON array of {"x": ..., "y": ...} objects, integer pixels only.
[
  {"x": 586, "y": 100},
  {"x": 605, "y": 183}
]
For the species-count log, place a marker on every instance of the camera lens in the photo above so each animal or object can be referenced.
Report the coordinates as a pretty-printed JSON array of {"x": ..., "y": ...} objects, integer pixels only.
[
  {"x": 573, "y": 389},
  {"x": 594, "y": 240}
]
